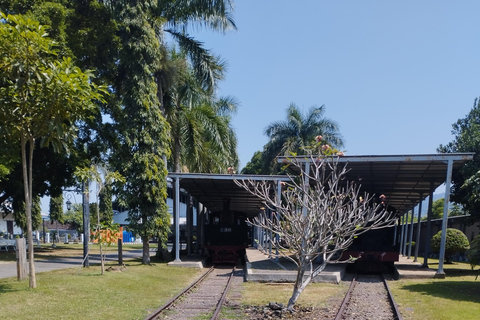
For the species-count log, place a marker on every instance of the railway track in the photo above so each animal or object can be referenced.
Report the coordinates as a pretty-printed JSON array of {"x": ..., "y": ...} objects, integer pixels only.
[
  {"x": 204, "y": 297},
  {"x": 368, "y": 298}
]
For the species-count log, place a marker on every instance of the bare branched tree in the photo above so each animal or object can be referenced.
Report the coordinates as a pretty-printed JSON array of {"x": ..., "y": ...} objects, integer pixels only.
[{"x": 317, "y": 214}]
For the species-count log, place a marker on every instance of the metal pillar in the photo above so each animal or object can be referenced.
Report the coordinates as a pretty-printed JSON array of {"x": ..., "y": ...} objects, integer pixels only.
[
  {"x": 445, "y": 219},
  {"x": 405, "y": 235},
  {"x": 86, "y": 222},
  {"x": 429, "y": 227},
  {"x": 177, "y": 219},
  {"x": 417, "y": 240},
  {"x": 402, "y": 219},
  {"x": 410, "y": 238}
]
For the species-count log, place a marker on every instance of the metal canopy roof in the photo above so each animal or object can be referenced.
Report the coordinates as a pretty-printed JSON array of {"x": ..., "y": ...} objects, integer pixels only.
[
  {"x": 211, "y": 189},
  {"x": 404, "y": 179}
]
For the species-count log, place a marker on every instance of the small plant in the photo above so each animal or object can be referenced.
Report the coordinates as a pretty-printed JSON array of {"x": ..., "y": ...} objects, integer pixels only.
[{"x": 456, "y": 242}]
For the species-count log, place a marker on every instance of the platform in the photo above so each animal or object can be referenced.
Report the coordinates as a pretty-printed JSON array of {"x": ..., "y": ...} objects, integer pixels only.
[
  {"x": 261, "y": 268},
  {"x": 407, "y": 269}
]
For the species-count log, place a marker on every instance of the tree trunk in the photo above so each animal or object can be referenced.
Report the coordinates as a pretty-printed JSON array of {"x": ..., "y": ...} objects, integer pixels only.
[
  {"x": 146, "y": 251},
  {"x": 297, "y": 288},
  {"x": 27, "y": 183}
]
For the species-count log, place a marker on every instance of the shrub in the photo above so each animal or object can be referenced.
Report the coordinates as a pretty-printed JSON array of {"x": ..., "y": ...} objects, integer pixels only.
[
  {"x": 474, "y": 253},
  {"x": 456, "y": 242}
]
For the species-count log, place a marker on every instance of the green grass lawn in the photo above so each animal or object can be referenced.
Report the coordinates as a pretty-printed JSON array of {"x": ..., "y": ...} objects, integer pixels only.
[
  {"x": 46, "y": 251},
  {"x": 83, "y": 293},
  {"x": 455, "y": 297}
]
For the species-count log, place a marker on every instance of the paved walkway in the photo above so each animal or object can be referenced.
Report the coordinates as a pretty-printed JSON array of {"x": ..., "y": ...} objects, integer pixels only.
[{"x": 9, "y": 269}]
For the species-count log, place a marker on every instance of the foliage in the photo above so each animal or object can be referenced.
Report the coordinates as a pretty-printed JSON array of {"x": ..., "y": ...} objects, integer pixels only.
[
  {"x": 437, "y": 208},
  {"x": 141, "y": 129},
  {"x": 56, "y": 209},
  {"x": 256, "y": 165},
  {"x": 41, "y": 98},
  {"x": 317, "y": 214},
  {"x": 295, "y": 133},
  {"x": 20, "y": 217},
  {"x": 74, "y": 217},
  {"x": 466, "y": 182},
  {"x": 202, "y": 139},
  {"x": 456, "y": 242},
  {"x": 474, "y": 253}
]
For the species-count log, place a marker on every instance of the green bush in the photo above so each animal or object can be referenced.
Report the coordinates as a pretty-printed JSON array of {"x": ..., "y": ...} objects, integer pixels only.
[
  {"x": 456, "y": 242},
  {"x": 474, "y": 253}
]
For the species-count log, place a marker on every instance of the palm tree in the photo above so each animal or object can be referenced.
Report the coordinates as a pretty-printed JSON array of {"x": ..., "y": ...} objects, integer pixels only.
[
  {"x": 202, "y": 139},
  {"x": 179, "y": 17},
  {"x": 299, "y": 131}
]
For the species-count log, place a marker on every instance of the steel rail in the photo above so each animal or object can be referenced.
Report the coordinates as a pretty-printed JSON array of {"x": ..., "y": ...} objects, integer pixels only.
[
  {"x": 220, "y": 303},
  {"x": 346, "y": 299},
  {"x": 396, "y": 312},
  {"x": 157, "y": 312}
]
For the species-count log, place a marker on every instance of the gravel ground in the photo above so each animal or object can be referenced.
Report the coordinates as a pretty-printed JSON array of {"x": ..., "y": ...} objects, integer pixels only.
[{"x": 369, "y": 300}]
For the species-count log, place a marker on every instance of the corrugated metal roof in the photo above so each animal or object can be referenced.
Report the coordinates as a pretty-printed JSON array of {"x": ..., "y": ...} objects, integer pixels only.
[
  {"x": 212, "y": 189},
  {"x": 404, "y": 179}
]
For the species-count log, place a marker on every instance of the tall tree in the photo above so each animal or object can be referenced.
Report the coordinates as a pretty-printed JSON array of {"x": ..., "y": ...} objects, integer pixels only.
[
  {"x": 141, "y": 128},
  {"x": 298, "y": 131},
  {"x": 466, "y": 182},
  {"x": 41, "y": 98},
  {"x": 179, "y": 17},
  {"x": 202, "y": 139}
]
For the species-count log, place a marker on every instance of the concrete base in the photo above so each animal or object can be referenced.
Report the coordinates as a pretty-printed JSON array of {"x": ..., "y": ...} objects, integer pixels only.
[
  {"x": 193, "y": 261},
  {"x": 331, "y": 274},
  {"x": 261, "y": 268}
]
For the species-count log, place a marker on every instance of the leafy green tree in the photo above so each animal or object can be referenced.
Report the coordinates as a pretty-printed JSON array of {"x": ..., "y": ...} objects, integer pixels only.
[
  {"x": 456, "y": 242},
  {"x": 105, "y": 203},
  {"x": 298, "y": 131},
  {"x": 256, "y": 165},
  {"x": 474, "y": 254},
  {"x": 20, "y": 217},
  {"x": 74, "y": 217},
  {"x": 140, "y": 127},
  {"x": 41, "y": 98},
  {"x": 466, "y": 182},
  {"x": 437, "y": 208},
  {"x": 56, "y": 209}
]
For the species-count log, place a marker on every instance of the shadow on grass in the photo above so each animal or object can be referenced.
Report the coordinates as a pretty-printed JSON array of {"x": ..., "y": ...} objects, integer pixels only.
[
  {"x": 455, "y": 270},
  {"x": 453, "y": 290}
]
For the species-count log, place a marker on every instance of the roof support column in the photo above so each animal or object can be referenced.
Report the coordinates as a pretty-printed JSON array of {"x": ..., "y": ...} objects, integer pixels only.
[
  {"x": 440, "y": 273},
  {"x": 402, "y": 219},
  {"x": 405, "y": 234},
  {"x": 417, "y": 240},
  {"x": 177, "y": 219},
  {"x": 410, "y": 238},
  {"x": 428, "y": 235}
]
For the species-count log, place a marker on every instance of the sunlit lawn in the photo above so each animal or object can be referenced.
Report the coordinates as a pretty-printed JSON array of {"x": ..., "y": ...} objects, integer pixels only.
[
  {"x": 455, "y": 297},
  {"x": 46, "y": 251},
  {"x": 83, "y": 293}
]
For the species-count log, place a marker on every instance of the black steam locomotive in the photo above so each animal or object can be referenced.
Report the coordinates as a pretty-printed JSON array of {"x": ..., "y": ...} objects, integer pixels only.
[
  {"x": 227, "y": 235},
  {"x": 374, "y": 250}
]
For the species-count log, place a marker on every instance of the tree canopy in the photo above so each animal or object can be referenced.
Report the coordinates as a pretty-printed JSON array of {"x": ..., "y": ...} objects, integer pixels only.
[
  {"x": 41, "y": 98},
  {"x": 466, "y": 182}
]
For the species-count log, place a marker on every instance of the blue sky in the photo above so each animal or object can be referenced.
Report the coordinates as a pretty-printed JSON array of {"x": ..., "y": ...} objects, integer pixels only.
[{"x": 395, "y": 75}]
